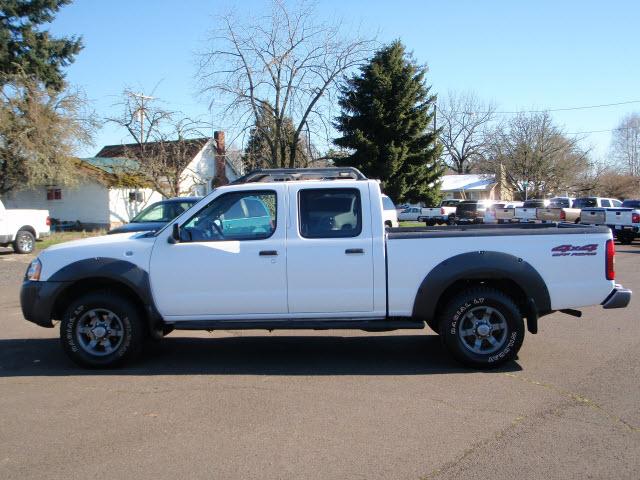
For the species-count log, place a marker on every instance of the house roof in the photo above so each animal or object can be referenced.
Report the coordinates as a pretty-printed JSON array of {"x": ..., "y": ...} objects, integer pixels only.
[
  {"x": 452, "y": 183},
  {"x": 112, "y": 165},
  {"x": 134, "y": 150}
]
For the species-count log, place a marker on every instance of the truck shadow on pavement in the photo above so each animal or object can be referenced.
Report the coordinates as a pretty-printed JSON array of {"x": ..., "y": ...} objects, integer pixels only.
[{"x": 251, "y": 355}]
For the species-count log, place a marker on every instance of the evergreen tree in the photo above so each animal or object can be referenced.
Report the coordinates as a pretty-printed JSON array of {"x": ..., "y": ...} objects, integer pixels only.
[
  {"x": 27, "y": 50},
  {"x": 385, "y": 124}
]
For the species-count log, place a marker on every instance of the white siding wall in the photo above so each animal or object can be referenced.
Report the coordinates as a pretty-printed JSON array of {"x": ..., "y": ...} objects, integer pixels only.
[
  {"x": 122, "y": 210},
  {"x": 200, "y": 172},
  {"x": 87, "y": 202}
]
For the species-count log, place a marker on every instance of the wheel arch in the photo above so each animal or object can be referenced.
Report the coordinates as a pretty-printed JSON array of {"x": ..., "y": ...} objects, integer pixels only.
[
  {"x": 122, "y": 277},
  {"x": 502, "y": 271},
  {"x": 27, "y": 228}
]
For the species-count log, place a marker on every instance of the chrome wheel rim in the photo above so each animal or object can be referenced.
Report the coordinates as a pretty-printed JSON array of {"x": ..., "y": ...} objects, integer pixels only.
[
  {"x": 25, "y": 243},
  {"x": 100, "y": 332},
  {"x": 483, "y": 330}
]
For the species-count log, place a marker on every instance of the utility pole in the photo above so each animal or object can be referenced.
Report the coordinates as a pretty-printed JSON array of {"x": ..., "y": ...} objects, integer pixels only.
[{"x": 140, "y": 98}]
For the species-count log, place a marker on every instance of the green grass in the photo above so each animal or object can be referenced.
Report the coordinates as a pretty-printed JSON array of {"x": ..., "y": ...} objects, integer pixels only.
[
  {"x": 60, "y": 237},
  {"x": 412, "y": 224}
]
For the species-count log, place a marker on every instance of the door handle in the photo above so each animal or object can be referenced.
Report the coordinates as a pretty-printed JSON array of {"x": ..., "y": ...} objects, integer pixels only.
[
  {"x": 268, "y": 253},
  {"x": 351, "y": 251}
]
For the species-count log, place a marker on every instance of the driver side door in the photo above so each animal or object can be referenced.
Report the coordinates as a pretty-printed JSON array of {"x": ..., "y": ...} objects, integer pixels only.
[{"x": 230, "y": 262}]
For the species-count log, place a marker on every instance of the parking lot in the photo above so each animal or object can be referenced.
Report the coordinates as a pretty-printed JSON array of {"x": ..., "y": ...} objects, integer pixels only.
[{"x": 318, "y": 405}]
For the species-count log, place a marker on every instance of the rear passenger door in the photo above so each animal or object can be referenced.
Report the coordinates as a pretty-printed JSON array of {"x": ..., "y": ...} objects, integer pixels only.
[{"x": 329, "y": 250}]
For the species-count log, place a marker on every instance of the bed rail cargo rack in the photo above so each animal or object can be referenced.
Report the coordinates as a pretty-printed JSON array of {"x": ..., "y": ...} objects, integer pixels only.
[{"x": 291, "y": 174}]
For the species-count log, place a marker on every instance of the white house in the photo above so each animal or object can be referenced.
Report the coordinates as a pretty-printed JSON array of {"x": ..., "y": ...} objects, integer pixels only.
[
  {"x": 100, "y": 199},
  {"x": 473, "y": 187}
]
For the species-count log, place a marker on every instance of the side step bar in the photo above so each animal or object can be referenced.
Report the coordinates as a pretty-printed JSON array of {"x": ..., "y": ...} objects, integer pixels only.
[{"x": 347, "y": 324}]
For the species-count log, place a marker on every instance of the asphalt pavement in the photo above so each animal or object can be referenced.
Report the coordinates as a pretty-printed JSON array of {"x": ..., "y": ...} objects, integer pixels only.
[{"x": 318, "y": 405}]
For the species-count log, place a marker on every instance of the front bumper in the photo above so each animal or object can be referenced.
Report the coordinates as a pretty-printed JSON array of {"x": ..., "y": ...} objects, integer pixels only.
[
  {"x": 618, "y": 298},
  {"x": 37, "y": 300}
]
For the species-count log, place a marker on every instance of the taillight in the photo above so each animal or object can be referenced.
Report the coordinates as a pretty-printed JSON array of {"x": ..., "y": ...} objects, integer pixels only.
[
  {"x": 635, "y": 217},
  {"x": 610, "y": 260},
  {"x": 563, "y": 215},
  {"x": 49, "y": 221},
  {"x": 441, "y": 211}
]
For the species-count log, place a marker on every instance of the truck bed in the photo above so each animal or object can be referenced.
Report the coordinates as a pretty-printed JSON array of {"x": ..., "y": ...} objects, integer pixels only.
[{"x": 489, "y": 230}]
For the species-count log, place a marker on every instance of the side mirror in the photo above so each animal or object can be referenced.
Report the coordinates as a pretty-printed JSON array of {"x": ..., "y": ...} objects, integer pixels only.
[{"x": 175, "y": 234}]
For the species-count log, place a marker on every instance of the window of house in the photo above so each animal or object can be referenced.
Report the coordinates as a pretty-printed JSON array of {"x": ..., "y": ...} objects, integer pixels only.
[
  {"x": 234, "y": 216},
  {"x": 330, "y": 213},
  {"x": 54, "y": 194},
  {"x": 136, "y": 196}
]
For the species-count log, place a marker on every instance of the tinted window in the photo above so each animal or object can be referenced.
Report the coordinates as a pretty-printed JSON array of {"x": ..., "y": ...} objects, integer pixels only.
[
  {"x": 449, "y": 203},
  {"x": 330, "y": 213},
  {"x": 559, "y": 203},
  {"x": 585, "y": 203},
  {"x": 533, "y": 203},
  {"x": 234, "y": 216},
  {"x": 387, "y": 204},
  {"x": 631, "y": 203},
  {"x": 616, "y": 203},
  {"x": 605, "y": 203}
]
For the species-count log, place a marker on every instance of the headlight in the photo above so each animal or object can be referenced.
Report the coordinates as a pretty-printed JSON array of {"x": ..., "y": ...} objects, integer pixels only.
[{"x": 33, "y": 272}]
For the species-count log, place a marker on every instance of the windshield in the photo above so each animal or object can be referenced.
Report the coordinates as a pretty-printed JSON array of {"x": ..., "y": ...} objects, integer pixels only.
[
  {"x": 387, "y": 203},
  {"x": 161, "y": 212}
]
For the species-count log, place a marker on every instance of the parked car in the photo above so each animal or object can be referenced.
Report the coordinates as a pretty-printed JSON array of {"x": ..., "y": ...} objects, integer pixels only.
[
  {"x": 623, "y": 220},
  {"x": 589, "y": 202},
  {"x": 410, "y": 214},
  {"x": 527, "y": 212},
  {"x": 20, "y": 228},
  {"x": 506, "y": 213},
  {"x": 321, "y": 259},
  {"x": 389, "y": 212},
  {"x": 558, "y": 210},
  {"x": 157, "y": 215},
  {"x": 472, "y": 211},
  {"x": 445, "y": 213}
]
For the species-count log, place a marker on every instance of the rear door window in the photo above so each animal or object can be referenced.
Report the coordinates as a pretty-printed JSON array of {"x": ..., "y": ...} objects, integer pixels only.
[
  {"x": 606, "y": 203},
  {"x": 330, "y": 213}
]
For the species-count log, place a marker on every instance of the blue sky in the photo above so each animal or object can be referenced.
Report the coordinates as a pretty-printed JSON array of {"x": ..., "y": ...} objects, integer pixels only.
[{"x": 520, "y": 54}]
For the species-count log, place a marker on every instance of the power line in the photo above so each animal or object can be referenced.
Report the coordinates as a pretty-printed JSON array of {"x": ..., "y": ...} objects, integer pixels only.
[
  {"x": 559, "y": 109},
  {"x": 603, "y": 131}
]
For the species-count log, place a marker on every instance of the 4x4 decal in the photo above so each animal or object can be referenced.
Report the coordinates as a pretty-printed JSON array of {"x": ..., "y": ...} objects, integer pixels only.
[{"x": 574, "y": 250}]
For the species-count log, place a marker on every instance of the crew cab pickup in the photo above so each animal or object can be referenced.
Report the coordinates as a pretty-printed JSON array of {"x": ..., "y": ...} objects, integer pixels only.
[
  {"x": 558, "y": 210},
  {"x": 307, "y": 249},
  {"x": 624, "y": 220},
  {"x": 528, "y": 212},
  {"x": 21, "y": 228},
  {"x": 575, "y": 212},
  {"x": 445, "y": 213}
]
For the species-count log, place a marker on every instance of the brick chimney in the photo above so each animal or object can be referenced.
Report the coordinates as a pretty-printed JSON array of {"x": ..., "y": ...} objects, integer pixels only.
[{"x": 220, "y": 177}]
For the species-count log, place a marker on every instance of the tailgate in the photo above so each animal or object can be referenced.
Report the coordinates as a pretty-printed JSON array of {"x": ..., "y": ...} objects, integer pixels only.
[
  {"x": 618, "y": 216},
  {"x": 525, "y": 213},
  {"x": 593, "y": 216},
  {"x": 549, "y": 214},
  {"x": 505, "y": 213}
]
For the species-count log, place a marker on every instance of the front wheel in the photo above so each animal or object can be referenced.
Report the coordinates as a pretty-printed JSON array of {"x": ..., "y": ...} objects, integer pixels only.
[
  {"x": 482, "y": 327},
  {"x": 102, "y": 330},
  {"x": 25, "y": 242}
]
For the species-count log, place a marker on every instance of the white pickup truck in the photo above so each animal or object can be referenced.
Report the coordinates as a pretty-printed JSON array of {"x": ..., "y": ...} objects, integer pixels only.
[
  {"x": 21, "y": 228},
  {"x": 624, "y": 220},
  {"x": 312, "y": 252},
  {"x": 445, "y": 213}
]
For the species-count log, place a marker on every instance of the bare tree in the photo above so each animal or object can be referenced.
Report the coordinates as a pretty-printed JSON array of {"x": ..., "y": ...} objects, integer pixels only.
[
  {"x": 464, "y": 123},
  {"x": 284, "y": 60},
  {"x": 534, "y": 158},
  {"x": 625, "y": 144},
  {"x": 164, "y": 142}
]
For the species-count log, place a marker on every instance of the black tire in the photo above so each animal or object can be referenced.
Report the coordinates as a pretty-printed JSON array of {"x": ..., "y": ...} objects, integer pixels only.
[
  {"x": 127, "y": 331},
  {"x": 451, "y": 220},
  {"x": 625, "y": 239},
  {"x": 387, "y": 224},
  {"x": 25, "y": 242},
  {"x": 462, "y": 314}
]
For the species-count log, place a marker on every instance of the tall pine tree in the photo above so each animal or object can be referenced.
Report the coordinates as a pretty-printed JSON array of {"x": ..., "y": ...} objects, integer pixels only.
[
  {"x": 385, "y": 122},
  {"x": 26, "y": 49}
]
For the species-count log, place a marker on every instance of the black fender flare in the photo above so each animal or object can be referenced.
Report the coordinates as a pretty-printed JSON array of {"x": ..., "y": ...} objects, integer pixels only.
[
  {"x": 113, "y": 270},
  {"x": 483, "y": 265}
]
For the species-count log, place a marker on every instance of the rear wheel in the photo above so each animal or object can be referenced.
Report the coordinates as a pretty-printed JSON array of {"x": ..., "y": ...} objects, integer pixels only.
[
  {"x": 25, "y": 242},
  {"x": 482, "y": 327},
  {"x": 625, "y": 239},
  {"x": 102, "y": 330}
]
